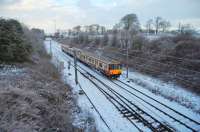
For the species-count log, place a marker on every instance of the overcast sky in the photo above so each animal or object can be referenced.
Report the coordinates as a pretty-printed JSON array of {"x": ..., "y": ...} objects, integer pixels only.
[{"x": 68, "y": 13}]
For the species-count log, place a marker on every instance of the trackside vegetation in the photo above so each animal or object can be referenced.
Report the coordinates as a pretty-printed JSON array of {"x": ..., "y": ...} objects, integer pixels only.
[{"x": 14, "y": 46}]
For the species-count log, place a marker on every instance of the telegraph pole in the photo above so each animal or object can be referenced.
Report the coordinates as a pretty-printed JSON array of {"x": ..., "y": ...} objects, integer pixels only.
[
  {"x": 50, "y": 48},
  {"x": 127, "y": 58},
  {"x": 55, "y": 25},
  {"x": 75, "y": 68},
  {"x": 69, "y": 63}
]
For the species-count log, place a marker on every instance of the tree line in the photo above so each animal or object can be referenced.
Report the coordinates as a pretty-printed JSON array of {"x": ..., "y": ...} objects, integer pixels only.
[
  {"x": 131, "y": 22},
  {"x": 124, "y": 33}
]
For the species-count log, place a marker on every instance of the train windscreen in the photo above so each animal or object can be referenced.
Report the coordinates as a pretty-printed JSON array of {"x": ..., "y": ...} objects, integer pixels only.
[{"x": 115, "y": 66}]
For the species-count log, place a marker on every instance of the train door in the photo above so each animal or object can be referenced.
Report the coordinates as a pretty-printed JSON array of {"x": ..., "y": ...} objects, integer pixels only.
[{"x": 96, "y": 63}]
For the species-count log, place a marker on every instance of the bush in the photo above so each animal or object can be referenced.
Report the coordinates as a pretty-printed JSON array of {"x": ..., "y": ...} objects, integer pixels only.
[
  {"x": 187, "y": 49},
  {"x": 138, "y": 42},
  {"x": 13, "y": 44}
]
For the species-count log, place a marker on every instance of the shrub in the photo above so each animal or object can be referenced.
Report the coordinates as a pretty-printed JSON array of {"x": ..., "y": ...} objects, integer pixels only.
[
  {"x": 13, "y": 44},
  {"x": 187, "y": 48}
]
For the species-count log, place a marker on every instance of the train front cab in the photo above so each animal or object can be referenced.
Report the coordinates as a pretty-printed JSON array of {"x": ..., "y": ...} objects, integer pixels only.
[{"x": 114, "y": 70}]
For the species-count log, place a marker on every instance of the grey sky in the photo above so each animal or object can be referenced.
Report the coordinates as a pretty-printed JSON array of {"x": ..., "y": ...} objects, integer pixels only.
[{"x": 69, "y": 13}]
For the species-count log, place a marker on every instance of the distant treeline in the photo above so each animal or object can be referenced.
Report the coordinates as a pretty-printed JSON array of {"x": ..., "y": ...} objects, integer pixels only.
[{"x": 15, "y": 45}]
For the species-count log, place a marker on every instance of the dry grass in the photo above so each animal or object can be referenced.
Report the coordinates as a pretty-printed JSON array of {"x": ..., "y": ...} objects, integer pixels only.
[{"x": 36, "y": 100}]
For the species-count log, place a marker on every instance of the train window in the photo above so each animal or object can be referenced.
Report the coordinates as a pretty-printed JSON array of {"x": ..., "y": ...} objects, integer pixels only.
[
  {"x": 92, "y": 60},
  {"x": 100, "y": 64},
  {"x": 120, "y": 66},
  {"x": 114, "y": 66},
  {"x": 111, "y": 66}
]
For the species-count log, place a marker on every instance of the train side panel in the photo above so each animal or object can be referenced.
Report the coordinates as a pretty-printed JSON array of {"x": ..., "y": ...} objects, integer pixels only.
[{"x": 93, "y": 61}]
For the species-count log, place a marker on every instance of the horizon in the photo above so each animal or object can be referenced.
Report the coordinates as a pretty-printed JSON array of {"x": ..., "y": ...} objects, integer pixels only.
[{"x": 51, "y": 15}]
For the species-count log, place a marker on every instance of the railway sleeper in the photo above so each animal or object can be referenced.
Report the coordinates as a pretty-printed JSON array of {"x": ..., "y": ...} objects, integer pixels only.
[
  {"x": 134, "y": 118},
  {"x": 123, "y": 109},
  {"x": 140, "y": 112},
  {"x": 125, "y": 112},
  {"x": 161, "y": 128},
  {"x": 156, "y": 124},
  {"x": 128, "y": 115}
]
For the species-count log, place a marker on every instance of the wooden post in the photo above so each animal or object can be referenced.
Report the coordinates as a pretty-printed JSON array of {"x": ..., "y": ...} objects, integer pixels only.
[
  {"x": 127, "y": 59},
  {"x": 69, "y": 64},
  {"x": 75, "y": 67},
  {"x": 50, "y": 49}
]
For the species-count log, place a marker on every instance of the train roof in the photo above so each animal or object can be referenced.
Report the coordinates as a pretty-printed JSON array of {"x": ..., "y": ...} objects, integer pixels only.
[{"x": 108, "y": 60}]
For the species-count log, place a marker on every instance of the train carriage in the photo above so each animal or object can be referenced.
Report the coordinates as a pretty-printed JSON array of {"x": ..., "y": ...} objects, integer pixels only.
[{"x": 107, "y": 66}]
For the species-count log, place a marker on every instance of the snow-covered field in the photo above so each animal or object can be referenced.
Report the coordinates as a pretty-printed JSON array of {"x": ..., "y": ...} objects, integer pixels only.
[
  {"x": 110, "y": 114},
  {"x": 168, "y": 90}
]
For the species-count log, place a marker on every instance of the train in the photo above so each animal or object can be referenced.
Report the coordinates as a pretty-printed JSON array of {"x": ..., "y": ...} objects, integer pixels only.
[{"x": 109, "y": 67}]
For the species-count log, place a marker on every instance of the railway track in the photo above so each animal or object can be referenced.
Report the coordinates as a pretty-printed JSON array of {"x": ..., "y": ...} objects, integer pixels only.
[
  {"x": 149, "y": 97},
  {"x": 123, "y": 105},
  {"x": 134, "y": 112},
  {"x": 96, "y": 109},
  {"x": 111, "y": 99},
  {"x": 120, "y": 107},
  {"x": 190, "y": 119},
  {"x": 159, "y": 109},
  {"x": 129, "y": 110}
]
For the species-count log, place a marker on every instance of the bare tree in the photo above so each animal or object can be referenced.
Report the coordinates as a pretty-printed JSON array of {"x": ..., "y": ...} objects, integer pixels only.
[
  {"x": 105, "y": 39},
  {"x": 77, "y": 29},
  {"x": 149, "y": 25},
  {"x": 164, "y": 25},
  {"x": 130, "y": 26},
  {"x": 186, "y": 29},
  {"x": 117, "y": 26},
  {"x": 86, "y": 29},
  {"x": 94, "y": 29},
  {"x": 69, "y": 32},
  {"x": 157, "y": 22},
  {"x": 130, "y": 22},
  {"x": 103, "y": 30},
  {"x": 90, "y": 27}
]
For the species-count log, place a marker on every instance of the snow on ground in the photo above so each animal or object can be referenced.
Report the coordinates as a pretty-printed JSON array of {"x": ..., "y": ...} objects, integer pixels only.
[
  {"x": 158, "y": 115},
  {"x": 11, "y": 70},
  {"x": 169, "y": 91},
  {"x": 108, "y": 112},
  {"x": 141, "y": 82}
]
